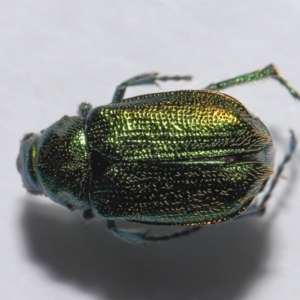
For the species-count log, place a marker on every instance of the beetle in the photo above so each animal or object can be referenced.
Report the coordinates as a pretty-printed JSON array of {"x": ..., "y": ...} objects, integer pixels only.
[{"x": 187, "y": 158}]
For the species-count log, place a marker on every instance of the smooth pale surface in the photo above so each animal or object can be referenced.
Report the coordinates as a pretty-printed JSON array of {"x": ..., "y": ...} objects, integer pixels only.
[{"x": 56, "y": 54}]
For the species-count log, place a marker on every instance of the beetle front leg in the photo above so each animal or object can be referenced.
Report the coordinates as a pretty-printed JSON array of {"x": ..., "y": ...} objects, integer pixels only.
[
  {"x": 138, "y": 237},
  {"x": 147, "y": 78},
  {"x": 259, "y": 208},
  {"x": 268, "y": 72}
]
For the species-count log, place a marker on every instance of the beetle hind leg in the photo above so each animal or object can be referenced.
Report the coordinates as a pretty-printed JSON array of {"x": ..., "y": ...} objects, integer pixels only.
[
  {"x": 147, "y": 78},
  {"x": 268, "y": 72},
  {"x": 138, "y": 237},
  {"x": 259, "y": 208}
]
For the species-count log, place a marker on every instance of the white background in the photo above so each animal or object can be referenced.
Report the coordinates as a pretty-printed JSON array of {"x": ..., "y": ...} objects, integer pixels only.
[{"x": 56, "y": 54}]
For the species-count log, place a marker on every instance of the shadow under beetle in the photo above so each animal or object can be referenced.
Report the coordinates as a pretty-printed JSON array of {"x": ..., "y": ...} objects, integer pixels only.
[{"x": 188, "y": 158}]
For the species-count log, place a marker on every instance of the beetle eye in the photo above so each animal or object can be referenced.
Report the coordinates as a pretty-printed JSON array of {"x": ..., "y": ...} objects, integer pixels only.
[{"x": 27, "y": 136}]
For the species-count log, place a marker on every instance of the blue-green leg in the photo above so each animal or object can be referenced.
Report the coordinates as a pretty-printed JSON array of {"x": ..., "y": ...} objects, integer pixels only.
[
  {"x": 259, "y": 207},
  {"x": 137, "y": 237},
  {"x": 267, "y": 72},
  {"x": 147, "y": 78}
]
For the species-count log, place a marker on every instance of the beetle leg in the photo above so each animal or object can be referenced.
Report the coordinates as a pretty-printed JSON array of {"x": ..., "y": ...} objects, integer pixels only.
[
  {"x": 87, "y": 214},
  {"x": 166, "y": 237},
  {"x": 129, "y": 236},
  {"x": 137, "y": 237},
  {"x": 268, "y": 72},
  {"x": 84, "y": 109},
  {"x": 147, "y": 78},
  {"x": 259, "y": 209}
]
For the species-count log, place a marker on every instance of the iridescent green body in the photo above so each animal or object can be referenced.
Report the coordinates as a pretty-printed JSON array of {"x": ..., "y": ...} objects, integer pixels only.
[
  {"x": 193, "y": 157},
  {"x": 187, "y": 157}
]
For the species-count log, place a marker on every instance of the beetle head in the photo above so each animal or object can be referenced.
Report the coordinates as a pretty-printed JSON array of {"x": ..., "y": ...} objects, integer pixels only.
[{"x": 26, "y": 163}]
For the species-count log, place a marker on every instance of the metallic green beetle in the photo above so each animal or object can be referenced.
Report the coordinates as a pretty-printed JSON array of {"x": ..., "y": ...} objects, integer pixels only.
[{"x": 188, "y": 158}]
